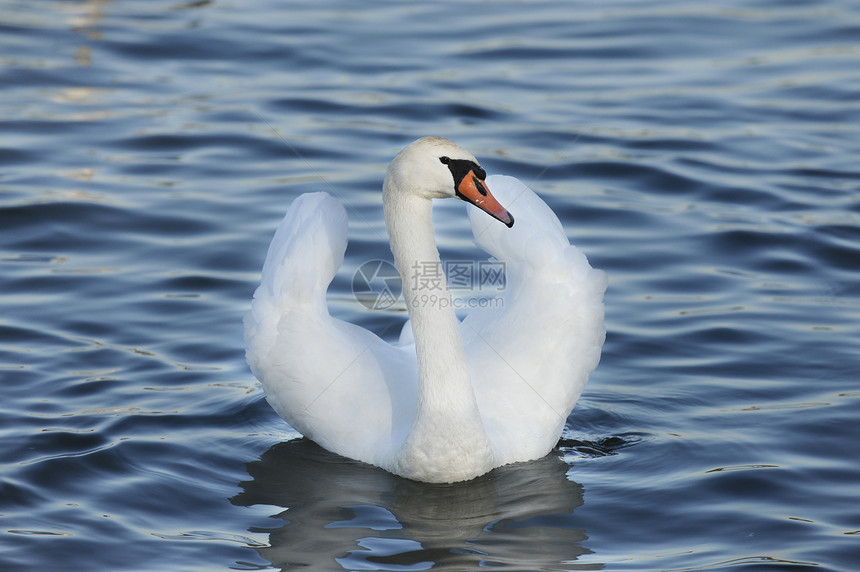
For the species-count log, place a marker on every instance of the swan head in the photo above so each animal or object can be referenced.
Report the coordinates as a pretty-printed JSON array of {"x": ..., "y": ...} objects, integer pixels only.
[{"x": 436, "y": 168}]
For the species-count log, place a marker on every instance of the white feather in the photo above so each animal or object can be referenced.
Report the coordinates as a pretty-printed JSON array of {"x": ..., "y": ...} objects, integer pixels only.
[{"x": 493, "y": 390}]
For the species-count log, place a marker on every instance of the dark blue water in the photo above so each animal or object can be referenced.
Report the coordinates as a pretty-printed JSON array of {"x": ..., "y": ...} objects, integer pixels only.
[{"x": 704, "y": 154}]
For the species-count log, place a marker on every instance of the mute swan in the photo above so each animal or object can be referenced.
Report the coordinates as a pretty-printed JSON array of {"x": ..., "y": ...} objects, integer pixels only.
[{"x": 492, "y": 390}]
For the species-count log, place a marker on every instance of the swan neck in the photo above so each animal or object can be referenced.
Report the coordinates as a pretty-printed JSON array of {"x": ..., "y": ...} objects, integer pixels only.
[
  {"x": 447, "y": 441},
  {"x": 442, "y": 371},
  {"x": 438, "y": 342}
]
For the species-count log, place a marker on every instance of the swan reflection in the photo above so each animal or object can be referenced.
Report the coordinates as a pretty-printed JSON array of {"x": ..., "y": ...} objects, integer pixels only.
[{"x": 342, "y": 512}]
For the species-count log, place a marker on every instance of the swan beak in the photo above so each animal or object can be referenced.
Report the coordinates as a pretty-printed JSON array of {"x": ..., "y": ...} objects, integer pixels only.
[{"x": 474, "y": 190}]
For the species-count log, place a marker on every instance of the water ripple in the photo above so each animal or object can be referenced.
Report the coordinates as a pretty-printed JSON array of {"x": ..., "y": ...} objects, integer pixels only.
[{"x": 704, "y": 156}]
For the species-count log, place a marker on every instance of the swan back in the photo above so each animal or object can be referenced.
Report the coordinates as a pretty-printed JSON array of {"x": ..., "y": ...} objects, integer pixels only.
[
  {"x": 336, "y": 383},
  {"x": 538, "y": 235},
  {"x": 548, "y": 326},
  {"x": 306, "y": 251}
]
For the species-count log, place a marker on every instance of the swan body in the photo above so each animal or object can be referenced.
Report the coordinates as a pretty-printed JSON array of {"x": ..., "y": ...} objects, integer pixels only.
[{"x": 451, "y": 400}]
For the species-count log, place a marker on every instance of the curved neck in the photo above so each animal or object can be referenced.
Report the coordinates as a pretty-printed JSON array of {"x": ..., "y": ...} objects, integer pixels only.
[
  {"x": 442, "y": 369},
  {"x": 447, "y": 441}
]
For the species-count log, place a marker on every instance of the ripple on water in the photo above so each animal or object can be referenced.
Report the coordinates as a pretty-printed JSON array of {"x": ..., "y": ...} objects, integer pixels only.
[{"x": 706, "y": 157}]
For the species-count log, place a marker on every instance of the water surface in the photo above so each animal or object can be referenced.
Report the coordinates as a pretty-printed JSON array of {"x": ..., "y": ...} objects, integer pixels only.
[{"x": 703, "y": 155}]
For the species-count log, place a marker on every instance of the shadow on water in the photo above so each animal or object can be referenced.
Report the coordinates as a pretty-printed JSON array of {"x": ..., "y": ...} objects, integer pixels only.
[{"x": 340, "y": 511}]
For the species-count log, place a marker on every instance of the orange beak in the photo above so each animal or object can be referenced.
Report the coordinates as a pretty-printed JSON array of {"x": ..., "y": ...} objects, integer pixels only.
[{"x": 474, "y": 190}]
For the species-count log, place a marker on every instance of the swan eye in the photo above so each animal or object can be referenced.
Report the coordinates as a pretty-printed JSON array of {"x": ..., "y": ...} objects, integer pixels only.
[{"x": 444, "y": 160}]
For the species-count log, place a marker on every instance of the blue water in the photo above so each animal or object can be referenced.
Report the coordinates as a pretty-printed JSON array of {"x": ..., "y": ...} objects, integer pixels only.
[{"x": 705, "y": 155}]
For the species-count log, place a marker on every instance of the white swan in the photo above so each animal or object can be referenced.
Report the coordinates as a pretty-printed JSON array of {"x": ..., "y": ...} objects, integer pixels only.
[{"x": 493, "y": 390}]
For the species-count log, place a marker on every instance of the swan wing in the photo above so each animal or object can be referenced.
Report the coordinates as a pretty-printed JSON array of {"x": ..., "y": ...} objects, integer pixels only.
[
  {"x": 336, "y": 383},
  {"x": 530, "y": 354}
]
